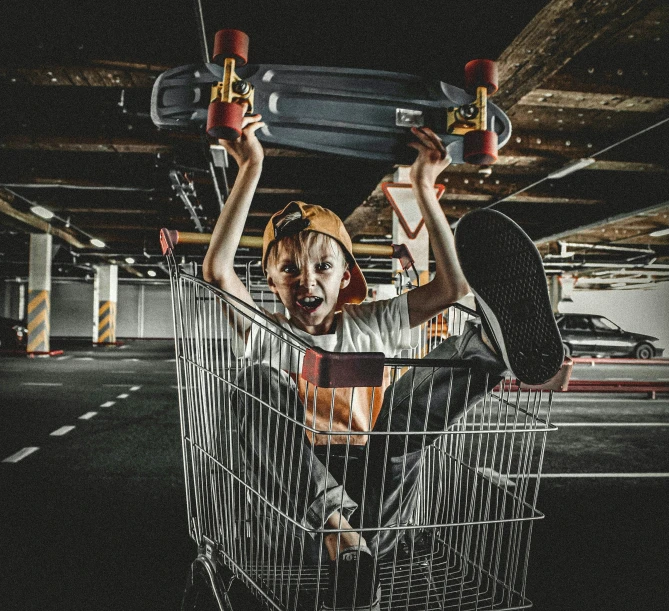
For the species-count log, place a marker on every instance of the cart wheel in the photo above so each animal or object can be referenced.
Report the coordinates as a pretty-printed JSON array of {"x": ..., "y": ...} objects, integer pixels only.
[
  {"x": 231, "y": 43},
  {"x": 224, "y": 120},
  {"x": 480, "y": 147},
  {"x": 481, "y": 73}
]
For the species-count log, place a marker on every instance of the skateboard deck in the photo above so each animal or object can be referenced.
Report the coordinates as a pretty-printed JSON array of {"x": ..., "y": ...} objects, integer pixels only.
[{"x": 356, "y": 113}]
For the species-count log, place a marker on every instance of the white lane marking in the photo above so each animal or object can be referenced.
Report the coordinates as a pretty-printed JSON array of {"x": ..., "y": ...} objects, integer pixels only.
[
  {"x": 124, "y": 395},
  {"x": 123, "y": 347},
  {"x": 41, "y": 383},
  {"x": 108, "y": 403},
  {"x": 63, "y": 430},
  {"x": 599, "y": 475},
  {"x": 170, "y": 360},
  {"x": 88, "y": 415},
  {"x": 621, "y": 380},
  {"x": 84, "y": 358},
  {"x": 663, "y": 379},
  {"x": 62, "y": 358},
  {"x": 586, "y": 424},
  {"x": 134, "y": 388},
  {"x": 20, "y": 455},
  {"x": 132, "y": 360}
]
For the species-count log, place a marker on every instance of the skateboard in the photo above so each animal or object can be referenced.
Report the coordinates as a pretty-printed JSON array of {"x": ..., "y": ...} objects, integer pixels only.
[{"x": 358, "y": 113}]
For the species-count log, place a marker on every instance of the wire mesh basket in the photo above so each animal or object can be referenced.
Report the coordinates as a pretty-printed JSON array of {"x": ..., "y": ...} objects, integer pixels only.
[{"x": 463, "y": 542}]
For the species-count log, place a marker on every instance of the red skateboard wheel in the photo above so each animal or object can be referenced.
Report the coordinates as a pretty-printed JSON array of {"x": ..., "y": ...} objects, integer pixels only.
[
  {"x": 224, "y": 120},
  {"x": 481, "y": 73},
  {"x": 230, "y": 43},
  {"x": 480, "y": 147}
]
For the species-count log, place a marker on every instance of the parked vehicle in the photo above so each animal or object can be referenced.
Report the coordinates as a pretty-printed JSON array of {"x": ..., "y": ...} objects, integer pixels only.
[
  {"x": 13, "y": 334},
  {"x": 592, "y": 335}
]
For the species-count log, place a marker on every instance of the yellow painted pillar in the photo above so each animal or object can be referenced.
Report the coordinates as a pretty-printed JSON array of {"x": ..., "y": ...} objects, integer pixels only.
[
  {"x": 39, "y": 292},
  {"x": 107, "y": 292}
]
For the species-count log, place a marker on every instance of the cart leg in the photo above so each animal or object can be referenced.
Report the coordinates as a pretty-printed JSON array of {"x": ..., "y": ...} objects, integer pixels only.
[{"x": 206, "y": 588}]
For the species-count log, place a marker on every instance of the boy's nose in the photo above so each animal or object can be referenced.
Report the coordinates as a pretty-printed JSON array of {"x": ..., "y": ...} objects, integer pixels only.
[{"x": 308, "y": 278}]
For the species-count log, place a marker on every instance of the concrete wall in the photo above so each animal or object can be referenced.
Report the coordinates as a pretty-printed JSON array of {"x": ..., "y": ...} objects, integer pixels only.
[
  {"x": 641, "y": 311},
  {"x": 143, "y": 310}
]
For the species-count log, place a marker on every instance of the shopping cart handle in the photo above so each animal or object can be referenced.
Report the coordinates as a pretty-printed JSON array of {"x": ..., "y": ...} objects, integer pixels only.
[
  {"x": 168, "y": 240},
  {"x": 342, "y": 369}
]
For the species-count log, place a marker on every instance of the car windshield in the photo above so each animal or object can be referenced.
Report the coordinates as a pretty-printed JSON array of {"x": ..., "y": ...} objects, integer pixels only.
[{"x": 604, "y": 324}]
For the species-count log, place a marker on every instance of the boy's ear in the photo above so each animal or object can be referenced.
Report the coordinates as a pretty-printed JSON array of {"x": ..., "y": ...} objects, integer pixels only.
[
  {"x": 272, "y": 286},
  {"x": 345, "y": 279}
]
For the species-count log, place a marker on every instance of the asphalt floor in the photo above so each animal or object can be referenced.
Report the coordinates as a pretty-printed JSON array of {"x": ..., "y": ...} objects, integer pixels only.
[{"x": 95, "y": 518}]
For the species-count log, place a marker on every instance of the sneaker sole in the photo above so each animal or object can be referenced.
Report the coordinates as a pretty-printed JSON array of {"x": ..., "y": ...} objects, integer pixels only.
[{"x": 505, "y": 272}]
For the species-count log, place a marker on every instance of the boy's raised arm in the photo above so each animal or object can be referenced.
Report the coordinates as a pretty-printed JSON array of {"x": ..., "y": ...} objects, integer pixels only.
[
  {"x": 218, "y": 265},
  {"x": 449, "y": 283}
]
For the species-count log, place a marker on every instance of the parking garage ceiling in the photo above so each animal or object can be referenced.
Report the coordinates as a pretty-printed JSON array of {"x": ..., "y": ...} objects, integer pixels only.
[{"x": 579, "y": 80}]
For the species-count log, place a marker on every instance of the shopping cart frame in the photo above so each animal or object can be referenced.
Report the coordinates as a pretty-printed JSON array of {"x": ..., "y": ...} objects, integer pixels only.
[{"x": 217, "y": 569}]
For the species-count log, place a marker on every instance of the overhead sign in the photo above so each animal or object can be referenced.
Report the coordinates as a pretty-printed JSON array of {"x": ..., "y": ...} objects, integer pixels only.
[{"x": 403, "y": 201}]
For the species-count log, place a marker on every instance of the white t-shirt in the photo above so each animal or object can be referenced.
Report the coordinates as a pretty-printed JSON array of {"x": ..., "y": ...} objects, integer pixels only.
[{"x": 376, "y": 326}]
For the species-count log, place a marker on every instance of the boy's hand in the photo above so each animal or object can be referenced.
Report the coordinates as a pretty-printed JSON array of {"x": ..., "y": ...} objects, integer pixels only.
[
  {"x": 246, "y": 150},
  {"x": 433, "y": 158}
]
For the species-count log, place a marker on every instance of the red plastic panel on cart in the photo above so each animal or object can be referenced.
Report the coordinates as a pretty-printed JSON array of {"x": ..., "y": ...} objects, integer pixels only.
[{"x": 343, "y": 370}]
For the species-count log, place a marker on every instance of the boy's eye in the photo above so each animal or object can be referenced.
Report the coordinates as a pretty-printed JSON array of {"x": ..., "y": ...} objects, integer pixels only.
[
  {"x": 289, "y": 269},
  {"x": 321, "y": 267}
]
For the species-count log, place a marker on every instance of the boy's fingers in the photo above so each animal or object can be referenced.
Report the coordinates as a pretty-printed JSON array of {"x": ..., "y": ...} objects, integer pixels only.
[
  {"x": 247, "y": 119},
  {"x": 253, "y": 127}
]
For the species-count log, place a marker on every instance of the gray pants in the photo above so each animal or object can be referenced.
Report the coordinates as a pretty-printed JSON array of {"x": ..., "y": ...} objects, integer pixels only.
[{"x": 379, "y": 488}]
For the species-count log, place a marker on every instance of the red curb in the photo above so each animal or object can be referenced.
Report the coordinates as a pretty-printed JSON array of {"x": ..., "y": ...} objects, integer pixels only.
[
  {"x": 605, "y": 361},
  {"x": 607, "y": 386},
  {"x": 32, "y": 355}
]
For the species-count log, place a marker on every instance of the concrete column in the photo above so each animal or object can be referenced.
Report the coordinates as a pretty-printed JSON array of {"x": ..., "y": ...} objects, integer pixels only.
[
  {"x": 39, "y": 292},
  {"x": 107, "y": 292}
]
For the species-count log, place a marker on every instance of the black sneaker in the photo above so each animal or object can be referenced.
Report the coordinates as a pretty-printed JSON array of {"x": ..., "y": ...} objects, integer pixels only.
[
  {"x": 354, "y": 579},
  {"x": 504, "y": 270}
]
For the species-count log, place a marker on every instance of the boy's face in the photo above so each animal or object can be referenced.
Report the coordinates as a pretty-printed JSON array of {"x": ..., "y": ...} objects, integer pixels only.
[{"x": 309, "y": 285}]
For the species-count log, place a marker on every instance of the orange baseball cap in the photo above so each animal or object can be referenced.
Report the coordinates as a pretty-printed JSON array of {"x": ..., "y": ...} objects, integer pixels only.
[{"x": 298, "y": 216}]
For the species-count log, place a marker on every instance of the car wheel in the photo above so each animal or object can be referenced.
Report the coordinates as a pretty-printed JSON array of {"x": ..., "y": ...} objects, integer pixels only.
[
  {"x": 567, "y": 350},
  {"x": 644, "y": 351}
]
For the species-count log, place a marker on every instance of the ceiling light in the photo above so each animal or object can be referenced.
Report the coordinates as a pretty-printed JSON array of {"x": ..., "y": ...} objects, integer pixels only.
[
  {"x": 573, "y": 166},
  {"x": 42, "y": 212},
  {"x": 129, "y": 260},
  {"x": 151, "y": 273},
  {"x": 659, "y": 233},
  {"x": 98, "y": 243}
]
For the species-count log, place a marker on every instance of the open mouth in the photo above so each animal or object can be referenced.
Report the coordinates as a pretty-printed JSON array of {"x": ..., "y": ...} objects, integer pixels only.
[{"x": 309, "y": 303}]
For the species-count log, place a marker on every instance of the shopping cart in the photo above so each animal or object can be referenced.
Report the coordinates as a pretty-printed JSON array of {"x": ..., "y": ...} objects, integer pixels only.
[{"x": 466, "y": 544}]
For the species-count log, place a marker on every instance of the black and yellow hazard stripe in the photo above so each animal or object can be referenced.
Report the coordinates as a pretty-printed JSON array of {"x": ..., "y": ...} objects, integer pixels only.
[
  {"x": 107, "y": 322},
  {"x": 38, "y": 321}
]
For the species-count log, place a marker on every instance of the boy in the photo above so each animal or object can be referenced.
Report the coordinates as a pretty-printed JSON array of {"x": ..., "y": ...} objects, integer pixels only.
[{"x": 307, "y": 258}]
